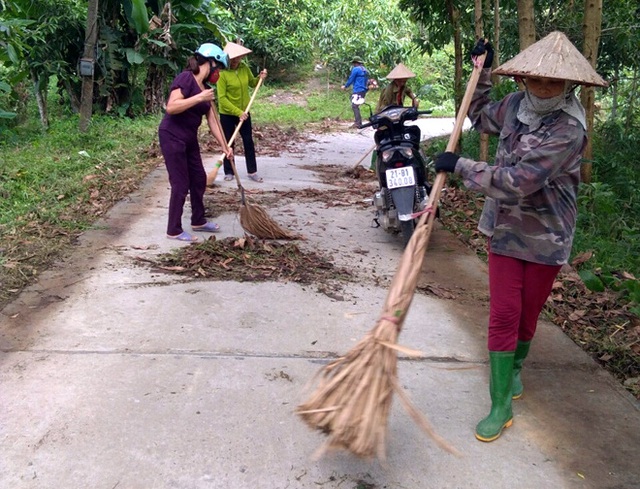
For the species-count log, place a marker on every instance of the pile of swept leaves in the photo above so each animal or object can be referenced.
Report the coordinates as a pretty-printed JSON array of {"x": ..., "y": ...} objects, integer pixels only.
[
  {"x": 601, "y": 323},
  {"x": 248, "y": 259}
]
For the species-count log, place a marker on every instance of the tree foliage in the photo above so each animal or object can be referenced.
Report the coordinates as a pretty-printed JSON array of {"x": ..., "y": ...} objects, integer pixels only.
[
  {"x": 376, "y": 30},
  {"x": 42, "y": 38},
  {"x": 137, "y": 56}
]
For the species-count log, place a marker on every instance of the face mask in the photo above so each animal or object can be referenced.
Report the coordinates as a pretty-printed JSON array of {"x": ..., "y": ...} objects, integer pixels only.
[{"x": 214, "y": 74}]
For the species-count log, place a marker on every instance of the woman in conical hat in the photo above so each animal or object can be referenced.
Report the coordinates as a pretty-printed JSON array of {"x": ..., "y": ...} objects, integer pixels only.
[
  {"x": 394, "y": 94},
  {"x": 529, "y": 215},
  {"x": 398, "y": 89},
  {"x": 233, "y": 99}
]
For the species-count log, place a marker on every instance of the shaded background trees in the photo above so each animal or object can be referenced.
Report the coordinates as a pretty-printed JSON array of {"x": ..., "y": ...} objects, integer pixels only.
[{"x": 142, "y": 44}]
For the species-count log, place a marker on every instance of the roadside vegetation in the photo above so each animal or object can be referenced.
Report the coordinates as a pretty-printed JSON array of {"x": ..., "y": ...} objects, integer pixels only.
[
  {"x": 596, "y": 299},
  {"x": 56, "y": 180}
]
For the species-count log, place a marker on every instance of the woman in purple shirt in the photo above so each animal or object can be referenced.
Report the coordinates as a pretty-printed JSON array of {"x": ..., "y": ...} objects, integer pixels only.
[{"x": 190, "y": 100}]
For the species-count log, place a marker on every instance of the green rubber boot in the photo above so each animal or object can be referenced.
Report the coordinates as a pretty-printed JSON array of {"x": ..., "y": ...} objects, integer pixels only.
[
  {"x": 522, "y": 350},
  {"x": 500, "y": 385}
]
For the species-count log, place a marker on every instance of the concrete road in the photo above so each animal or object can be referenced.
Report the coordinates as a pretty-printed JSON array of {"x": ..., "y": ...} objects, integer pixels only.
[{"x": 116, "y": 376}]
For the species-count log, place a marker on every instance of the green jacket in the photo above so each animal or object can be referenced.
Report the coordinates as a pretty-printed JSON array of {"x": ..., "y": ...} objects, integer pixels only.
[{"x": 233, "y": 90}]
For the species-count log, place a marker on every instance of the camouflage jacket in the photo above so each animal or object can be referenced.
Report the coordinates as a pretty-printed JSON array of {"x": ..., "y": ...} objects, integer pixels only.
[{"x": 531, "y": 191}]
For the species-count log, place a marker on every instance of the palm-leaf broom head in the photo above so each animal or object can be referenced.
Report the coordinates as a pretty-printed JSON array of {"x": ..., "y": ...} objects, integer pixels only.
[
  {"x": 255, "y": 220},
  {"x": 352, "y": 400}
]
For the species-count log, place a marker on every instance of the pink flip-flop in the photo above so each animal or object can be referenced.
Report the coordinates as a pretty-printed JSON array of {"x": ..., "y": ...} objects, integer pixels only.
[
  {"x": 184, "y": 236},
  {"x": 209, "y": 227}
]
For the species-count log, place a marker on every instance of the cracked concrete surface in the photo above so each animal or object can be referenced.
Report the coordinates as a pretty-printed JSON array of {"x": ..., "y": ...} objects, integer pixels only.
[{"x": 113, "y": 375}]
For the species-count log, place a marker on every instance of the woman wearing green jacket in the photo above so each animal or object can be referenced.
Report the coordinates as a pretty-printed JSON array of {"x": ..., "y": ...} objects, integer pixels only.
[{"x": 233, "y": 98}]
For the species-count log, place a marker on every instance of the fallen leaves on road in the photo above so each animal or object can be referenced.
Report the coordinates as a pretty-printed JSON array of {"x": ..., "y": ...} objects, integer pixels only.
[
  {"x": 248, "y": 259},
  {"x": 601, "y": 323}
]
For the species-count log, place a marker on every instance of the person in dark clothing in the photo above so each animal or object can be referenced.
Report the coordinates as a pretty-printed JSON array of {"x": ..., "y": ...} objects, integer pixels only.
[{"x": 190, "y": 100}]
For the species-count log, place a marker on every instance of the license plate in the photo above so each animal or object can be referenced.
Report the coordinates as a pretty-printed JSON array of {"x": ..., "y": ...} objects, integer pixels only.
[{"x": 400, "y": 177}]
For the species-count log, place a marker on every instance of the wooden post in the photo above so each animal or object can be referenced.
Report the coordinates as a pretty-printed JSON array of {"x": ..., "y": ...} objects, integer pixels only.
[
  {"x": 90, "y": 38},
  {"x": 479, "y": 28},
  {"x": 592, "y": 25}
]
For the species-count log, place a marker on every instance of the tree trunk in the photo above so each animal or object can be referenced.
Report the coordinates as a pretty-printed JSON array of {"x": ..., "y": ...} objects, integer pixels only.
[
  {"x": 527, "y": 24},
  {"x": 73, "y": 97},
  {"x": 614, "y": 95},
  {"x": 591, "y": 29},
  {"x": 40, "y": 100},
  {"x": 454, "y": 15},
  {"x": 631, "y": 99},
  {"x": 479, "y": 29},
  {"x": 154, "y": 90},
  {"x": 496, "y": 37},
  {"x": 479, "y": 26},
  {"x": 90, "y": 38}
]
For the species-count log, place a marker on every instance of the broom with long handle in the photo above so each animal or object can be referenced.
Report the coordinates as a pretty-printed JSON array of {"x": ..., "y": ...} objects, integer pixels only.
[
  {"x": 214, "y": 173},
  {"x": 353, "y": 397},
  {"x": 211, "y": 176},
  {"x": 364, "y": 156}
]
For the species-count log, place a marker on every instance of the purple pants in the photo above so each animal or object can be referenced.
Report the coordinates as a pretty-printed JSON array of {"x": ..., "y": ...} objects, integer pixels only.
[
  {"x": 186, "y": 176},
  {"x": 518, "y": 290}
]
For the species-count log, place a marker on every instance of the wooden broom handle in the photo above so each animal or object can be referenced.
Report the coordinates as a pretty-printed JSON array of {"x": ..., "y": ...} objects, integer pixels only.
[
  {"x": 253, "y": 96},
  {"x": 235, "y": 133},
  {"x": 225, "y": 145},
  {"x": 453, "y": 140}
]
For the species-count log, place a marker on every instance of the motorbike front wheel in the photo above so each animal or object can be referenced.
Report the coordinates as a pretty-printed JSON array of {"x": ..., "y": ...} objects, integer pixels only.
[{"x": 406, "y": 228}]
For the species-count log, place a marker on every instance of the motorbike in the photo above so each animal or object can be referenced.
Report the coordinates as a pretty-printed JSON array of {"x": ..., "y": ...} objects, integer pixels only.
[{"x": 401, "y": 169}]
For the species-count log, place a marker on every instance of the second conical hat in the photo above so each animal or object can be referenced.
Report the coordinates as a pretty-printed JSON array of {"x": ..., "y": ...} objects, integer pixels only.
[
  {"x": 235, "y": 50},
  {"x": 400, "y": 72},
  {"x": 553, "y": 56}
]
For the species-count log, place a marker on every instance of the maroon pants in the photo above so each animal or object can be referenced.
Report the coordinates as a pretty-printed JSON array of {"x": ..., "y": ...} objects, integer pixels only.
[
  {"x": 186, "y": 176},
  {"x": 518, "y": 290}
]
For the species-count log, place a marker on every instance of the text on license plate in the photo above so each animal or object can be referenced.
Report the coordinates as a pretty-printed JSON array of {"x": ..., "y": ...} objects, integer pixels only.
[{"x": 400, "y": 177}]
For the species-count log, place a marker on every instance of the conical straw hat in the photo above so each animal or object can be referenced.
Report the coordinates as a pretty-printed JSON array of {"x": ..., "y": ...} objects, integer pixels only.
[
  {"x": 552, "y": 57},
  {"x": 399, "y": 72},
  {"x": 235, "y": 50}
]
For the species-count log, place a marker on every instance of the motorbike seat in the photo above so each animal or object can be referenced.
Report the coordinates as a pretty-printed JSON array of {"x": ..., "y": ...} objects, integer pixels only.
[{"x": 386, "y": 134}]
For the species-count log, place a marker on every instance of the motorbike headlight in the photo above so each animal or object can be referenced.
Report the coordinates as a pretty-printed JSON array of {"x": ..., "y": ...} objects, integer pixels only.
[{"x": 387, "y": 154}]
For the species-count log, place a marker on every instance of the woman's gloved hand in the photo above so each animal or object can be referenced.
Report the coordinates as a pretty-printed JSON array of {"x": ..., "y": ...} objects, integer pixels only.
[
  {"x": 446, "y": 162},
  {"x": 481, "y": 47}
]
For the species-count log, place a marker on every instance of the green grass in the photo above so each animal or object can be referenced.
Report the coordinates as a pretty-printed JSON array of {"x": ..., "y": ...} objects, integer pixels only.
[
  {"x": 54, "y": 170},
  {"x": 300, "y": 105},
  {"x": 297, "y": 106}
]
